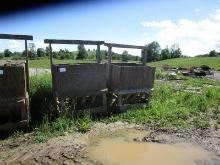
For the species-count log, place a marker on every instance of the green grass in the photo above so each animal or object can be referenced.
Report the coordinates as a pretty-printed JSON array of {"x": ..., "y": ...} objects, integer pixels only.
[
  {"x": 45, "y": 63},
  {"x": 213, "y": 62},
  {"x": 171, "y": 106},
  {"x": 42, "y": 118}
]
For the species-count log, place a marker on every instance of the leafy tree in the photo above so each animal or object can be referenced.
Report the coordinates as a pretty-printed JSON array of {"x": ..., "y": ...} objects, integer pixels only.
[
  {"x": 124, "y": 56},
  {"x": 7, "y": 53},
  {"x": 41, "y": 52},
  {"x": 175, "y": 51},
  {"x": 165, "y": 54},
  {"x": 153, "y": 51},
  {"x": 82, "y": 54},
  {"x": 1, "y": 55},
  {"x": 104, "y": 54},
  {"x": 212, "y": 53}
]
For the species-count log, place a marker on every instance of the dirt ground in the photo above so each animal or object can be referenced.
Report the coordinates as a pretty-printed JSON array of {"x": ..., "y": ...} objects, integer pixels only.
[
  {"x": 217, "y": 75},
  {"x": 72, "y": 148}
]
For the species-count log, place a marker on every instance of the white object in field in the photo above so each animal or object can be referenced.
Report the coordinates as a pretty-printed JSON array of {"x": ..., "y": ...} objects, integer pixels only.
[
  {"x": 62, "y": 69},
  {"x": 1, "y": 72}
]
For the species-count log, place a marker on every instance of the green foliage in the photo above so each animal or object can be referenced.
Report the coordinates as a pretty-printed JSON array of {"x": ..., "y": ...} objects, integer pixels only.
[
  {"x": 62, "y": 125},
  {"x": 41, "y": 52},
  {"x": 213, "y": 62},
  {"x": 1, "y": 56},
  {"x": 173, "y": 107},
  {"x": 124, "y": 56},
  {"x": 7, "y": 53},
  {"x": 165, "y": 54},
  {"x": 82, "y": 54},
  {"x": 213, "y": 53},
  {"x": 41, "y": 97},
  {"x": 152, "y": 51}
]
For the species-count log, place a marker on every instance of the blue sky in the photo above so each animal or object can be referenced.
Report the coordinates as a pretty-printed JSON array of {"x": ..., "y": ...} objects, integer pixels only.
[{"x": 194, "y": 24}]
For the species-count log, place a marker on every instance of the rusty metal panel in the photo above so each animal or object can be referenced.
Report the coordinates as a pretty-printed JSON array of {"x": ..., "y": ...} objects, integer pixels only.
[
  {"x": 125, "y": 76},
  {"x": 12, "y": 82},
  {"x": 79, "y": 79}
]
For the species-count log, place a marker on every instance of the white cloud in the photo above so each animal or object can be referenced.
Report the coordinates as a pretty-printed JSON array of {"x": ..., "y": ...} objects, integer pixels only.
[
  {"x": 13, "y": 44},
  {"x": 194, "y": 37},
  {"x": 197, "y": 10}
]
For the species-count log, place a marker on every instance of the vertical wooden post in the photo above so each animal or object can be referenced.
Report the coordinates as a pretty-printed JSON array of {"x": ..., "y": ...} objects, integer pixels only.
[
  {"x": 52, "y": 74},
  {"x": 109, "y": 63},
  {"x": 27, "y": 67},
  {"x": 98, "y": 54},
  {"x": 144, "y": 56},
  {"x": 109, "y": 54},
  {"x": 51, "y": 56}
]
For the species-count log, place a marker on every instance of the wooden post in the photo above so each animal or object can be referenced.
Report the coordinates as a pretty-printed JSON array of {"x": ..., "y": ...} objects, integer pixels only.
[
  {"x": 98, "y": 54},
  {"x": 109, "y": 63},
  {"x": 51, "y": 56},
  {"x": 109, "y": 54},
  {"x": 27, "y": 67},
  {"x": 53, "y": 80},
  {"x": 144, "y": 56}
]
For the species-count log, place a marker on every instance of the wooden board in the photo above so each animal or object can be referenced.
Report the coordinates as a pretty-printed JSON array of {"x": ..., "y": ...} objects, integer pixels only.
[
  {"x": 16, "y": 37},
  {"x": 124, "y": 46},
  {"x": 79, "y": 80},
  {"x": 78, "y": 42},
  {"x": 130, "y": 77},
  {"x": 12, "y": 82}
]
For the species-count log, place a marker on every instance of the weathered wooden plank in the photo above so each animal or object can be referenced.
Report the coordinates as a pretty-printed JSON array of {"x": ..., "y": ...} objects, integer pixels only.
[
  {"x": 79, "y": 80},
  {"x": 124, "y": 46},
  {"x": 126, "y": 107},
  {"x": 133, "y": 91},
  {"x": 16, "y": 37},
  {"x": 78, "y": 42},
  {"x": 98, "y": 54}
]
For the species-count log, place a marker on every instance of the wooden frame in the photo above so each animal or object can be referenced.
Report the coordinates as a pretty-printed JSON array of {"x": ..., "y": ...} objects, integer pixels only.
[
  {"x": 23, "y": 102},
  {"x": 117, "y": 84},
  {"x": 53, "y": 67},
  {"x": 111, "y": 45}
]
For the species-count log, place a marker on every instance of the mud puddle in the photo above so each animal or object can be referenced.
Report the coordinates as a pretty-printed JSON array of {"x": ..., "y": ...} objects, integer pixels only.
[{"x": 123, "y": 150}]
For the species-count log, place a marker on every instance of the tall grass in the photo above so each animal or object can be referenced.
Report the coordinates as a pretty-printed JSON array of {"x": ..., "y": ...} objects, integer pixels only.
[
  {"x": 41, "y": 112},
  {"x": 176, "y": 108}
]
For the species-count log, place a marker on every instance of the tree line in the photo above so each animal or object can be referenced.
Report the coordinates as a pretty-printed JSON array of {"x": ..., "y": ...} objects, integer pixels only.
[
  {"x": 212, "y": 53},
  {"x": 153, "y": 53}
]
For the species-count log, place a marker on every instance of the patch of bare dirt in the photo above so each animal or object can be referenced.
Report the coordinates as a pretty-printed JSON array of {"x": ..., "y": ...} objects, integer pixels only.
[{"x": 72, "y": 148}]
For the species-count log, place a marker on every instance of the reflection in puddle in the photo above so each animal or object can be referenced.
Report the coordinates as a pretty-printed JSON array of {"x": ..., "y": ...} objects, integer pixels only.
[{"x": 121, "y": 151}]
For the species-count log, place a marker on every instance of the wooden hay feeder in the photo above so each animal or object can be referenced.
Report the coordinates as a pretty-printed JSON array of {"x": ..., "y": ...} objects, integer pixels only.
[
  {"x": 14, "y": 99},
  {"x": 14, "y": 88},
  {"x": 82, "y": 87},
  {"x": 131, "y": 84},
  {"x": 84, "y": 83}
]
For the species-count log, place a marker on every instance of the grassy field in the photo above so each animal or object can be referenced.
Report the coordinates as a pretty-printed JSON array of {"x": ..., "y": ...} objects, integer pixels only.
[
  {"x": 194, "y": 103},
  {"x": 213, "y": 62},
  {"x": 45, "y": 63}
]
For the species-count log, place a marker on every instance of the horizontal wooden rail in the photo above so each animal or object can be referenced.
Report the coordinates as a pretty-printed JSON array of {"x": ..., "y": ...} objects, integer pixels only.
[
  {"x": 78, "y": 42},
  {"x": 16, "y": 37},
  {"x": 124, "y": 46}
]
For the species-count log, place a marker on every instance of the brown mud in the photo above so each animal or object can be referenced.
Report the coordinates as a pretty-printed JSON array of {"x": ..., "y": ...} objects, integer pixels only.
[{"x": 136, "y": 144}]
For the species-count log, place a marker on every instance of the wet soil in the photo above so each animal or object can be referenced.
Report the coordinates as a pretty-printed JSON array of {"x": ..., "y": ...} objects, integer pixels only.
[{"x": 194, "y": 146}]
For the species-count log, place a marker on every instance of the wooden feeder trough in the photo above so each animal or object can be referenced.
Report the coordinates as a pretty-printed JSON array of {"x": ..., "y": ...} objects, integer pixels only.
[
  {"x": 84, "y": 83},
  {"x": 129, "y": 84},
  {"x": 14, "y": 88},
  {"x": 83, "y": 87},
  {"x": 13, "y": 96}
]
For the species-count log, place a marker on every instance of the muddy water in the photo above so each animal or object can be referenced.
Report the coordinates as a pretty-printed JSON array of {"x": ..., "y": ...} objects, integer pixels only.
[{"x": 124, "y": 151}]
